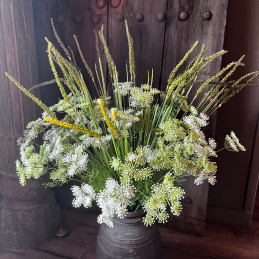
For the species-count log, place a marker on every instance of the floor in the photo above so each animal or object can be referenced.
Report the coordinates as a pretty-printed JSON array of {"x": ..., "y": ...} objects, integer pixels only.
[{"x": 219, "y": 242}]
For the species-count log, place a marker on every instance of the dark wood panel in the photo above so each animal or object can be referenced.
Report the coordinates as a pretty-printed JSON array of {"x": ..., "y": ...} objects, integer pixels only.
[
  {"x": 180, "y": 35},
  {"x": 9, "y": 152},
  {"x": 240, "y": 113},
  {"x": 147, "y": 32},
  {"x": 6, "y": 109},
  {"x": 25, "y": 37},
  {"x": 14, "y": 122},
  {"x": 43, "y": 11},
  {"x": 82, "y": 19},
  {"x": 228, "y": 216},
  {"x": 256, "y": 208},
  {"x": 18, "y": 58},
  {"x": 253, "y": 174}
]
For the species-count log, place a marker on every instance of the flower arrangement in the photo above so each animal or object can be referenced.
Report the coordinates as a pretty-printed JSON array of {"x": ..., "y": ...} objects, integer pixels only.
[{"x": 133, "y": 149}]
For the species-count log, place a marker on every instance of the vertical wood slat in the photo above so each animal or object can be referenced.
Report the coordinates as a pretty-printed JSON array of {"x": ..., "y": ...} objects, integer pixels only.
[
  {"x": 148, "y": 37},
  {"x": 81, "y": 20},
  {"x": 253, "y": 175},
  {"x": 70, "y": 18},
  {"x": 10, "y": 55},
  {"x": 180, "y": 36},
  {"x": 18, "y": 59},
  {"x": 43, "y": 11},
  {"x": 239, "y": 114}
]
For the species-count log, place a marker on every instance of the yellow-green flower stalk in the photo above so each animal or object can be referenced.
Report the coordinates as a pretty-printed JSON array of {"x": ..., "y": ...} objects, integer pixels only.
[
  {"x": 172, "y": 74},
  {"x": 43, "y": 106},
  {"x": 59, "y": 40},
  {"x": 127, "y": 116},
  {"x": 53, "y": 68},
  {"x": 109, "y": 123},
  {"x": 62, "y": 63},
  {"x": 72, "y": 126},
  {"x": 211, "y": 79},
  {"x": 131, "y": 53},
  {"x": 83, "y": 59},
  {"x": 113, "y": 113},
  {"x": 111, "y": 64},
  {"x": 58, "y": 58}
]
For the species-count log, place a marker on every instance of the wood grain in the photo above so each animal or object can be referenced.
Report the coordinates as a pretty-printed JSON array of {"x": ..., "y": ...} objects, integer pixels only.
[
  {"x": 81, "y": 20},
  {"x": 43, "y": 12},
  {"x": 179, "y": 37},
  {"x": 148, "y": 38},
  {"x": 18, "y": 58}
]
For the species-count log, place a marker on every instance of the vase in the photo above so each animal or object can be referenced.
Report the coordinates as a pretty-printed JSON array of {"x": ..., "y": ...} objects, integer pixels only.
[
  {"x": 29, "y": 215},
  {"x": 128, "y": 238}
]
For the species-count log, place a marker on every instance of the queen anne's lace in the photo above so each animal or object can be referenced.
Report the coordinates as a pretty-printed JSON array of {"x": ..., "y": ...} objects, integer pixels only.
[{"x": 113, "y": 199}]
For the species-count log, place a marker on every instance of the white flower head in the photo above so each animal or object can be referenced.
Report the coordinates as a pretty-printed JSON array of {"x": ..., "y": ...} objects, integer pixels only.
[
  {"x": 113, "y": 200},
  {"x": 236, "y": 140},
  {"x": 212, "y": 143},
  {"x": 193, "y": 110},
  {"x": 89, "y": 190},
  {"x": 84, "y": 195},
  {"x": 204, "y": 116}
]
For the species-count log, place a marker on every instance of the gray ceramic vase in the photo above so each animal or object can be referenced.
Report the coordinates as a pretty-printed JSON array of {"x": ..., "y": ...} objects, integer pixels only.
[{"x": 128, "y": 238}]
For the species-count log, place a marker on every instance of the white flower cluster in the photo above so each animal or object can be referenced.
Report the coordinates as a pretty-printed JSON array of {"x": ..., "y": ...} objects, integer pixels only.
[
  {"x": 211, "y": 178},
  {"x": 113, "y": 199},
  {"x": 124, "y": 88},
  {"x": 58, "y": 155},
  {"x": 76, "y": 160},
  {"x": 183, "y": 149},
  {"x": 140, "y": 98},
  {"x": 136, "y": 166},
  {"x": 163, "y": 195},
  {"x": 31, "y": 164},
  {"x": 232, "y": 143},
  {"x": 195, "y": 122},
  {"x": 84, "y": 195}
]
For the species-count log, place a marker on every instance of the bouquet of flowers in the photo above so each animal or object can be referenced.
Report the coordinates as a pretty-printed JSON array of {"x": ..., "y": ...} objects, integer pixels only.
[{"x": 133, "y": 149}]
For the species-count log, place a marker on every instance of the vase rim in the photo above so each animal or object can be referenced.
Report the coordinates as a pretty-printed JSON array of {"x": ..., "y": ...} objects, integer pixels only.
[{"x": 135, "y": 214}]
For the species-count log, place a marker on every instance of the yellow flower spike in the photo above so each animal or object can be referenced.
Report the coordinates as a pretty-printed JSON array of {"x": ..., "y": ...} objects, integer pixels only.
[
  {"x": 53, "y": 68},
  {"x": 109, "y": 123},
  {"x": 33, "y": 97},
  {"x": 113, "y": 114},
  {"x": 72, "y": 126},
  {"x": 131, "y": 53},
  {"x": 127, "y": 116},
  {"x": 63, "y": 63}
]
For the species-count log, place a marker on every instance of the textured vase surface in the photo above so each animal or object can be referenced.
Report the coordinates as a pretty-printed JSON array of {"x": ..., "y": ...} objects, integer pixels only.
[
  {"x": 128, "y": 238},
  {"x": 29, "y": 214}
]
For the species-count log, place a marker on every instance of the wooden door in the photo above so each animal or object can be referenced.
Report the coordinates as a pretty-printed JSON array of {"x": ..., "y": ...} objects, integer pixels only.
[
  {"x": 231, "y": 200},
  {"x": 162, "y": 30}
]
